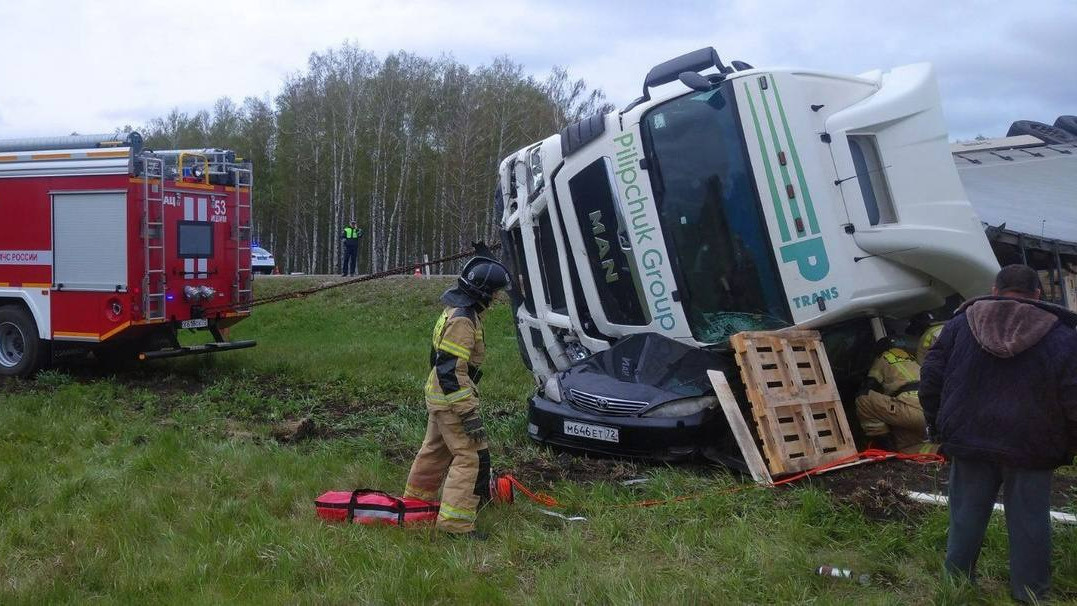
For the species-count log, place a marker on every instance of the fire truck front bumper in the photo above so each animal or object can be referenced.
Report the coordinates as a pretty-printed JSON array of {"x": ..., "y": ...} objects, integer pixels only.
[{"x": 659, "y": 438}]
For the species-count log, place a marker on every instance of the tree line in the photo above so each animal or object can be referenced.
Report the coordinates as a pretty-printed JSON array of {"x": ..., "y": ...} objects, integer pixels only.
[{"x": 407, "y": 146}]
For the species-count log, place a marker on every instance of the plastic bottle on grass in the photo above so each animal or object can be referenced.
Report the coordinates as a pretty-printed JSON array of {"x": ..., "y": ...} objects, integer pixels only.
[{"x": 844, "y": 573}]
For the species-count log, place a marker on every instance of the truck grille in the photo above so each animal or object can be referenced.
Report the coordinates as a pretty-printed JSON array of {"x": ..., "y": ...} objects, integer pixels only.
[{"x": 603, "y": 405}]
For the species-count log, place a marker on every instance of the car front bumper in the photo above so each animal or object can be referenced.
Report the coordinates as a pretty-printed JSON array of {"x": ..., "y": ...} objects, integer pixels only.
[{"x": 661, "y": 438}]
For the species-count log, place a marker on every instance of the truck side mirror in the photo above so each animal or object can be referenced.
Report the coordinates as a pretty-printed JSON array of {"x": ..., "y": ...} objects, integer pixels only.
[
  {"x": 694, "y": 61},
  {"x": 668, "y": 71}
]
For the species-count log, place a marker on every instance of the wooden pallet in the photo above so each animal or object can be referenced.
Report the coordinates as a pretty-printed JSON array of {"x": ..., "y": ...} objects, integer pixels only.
[{"x": 795, "y": 403}]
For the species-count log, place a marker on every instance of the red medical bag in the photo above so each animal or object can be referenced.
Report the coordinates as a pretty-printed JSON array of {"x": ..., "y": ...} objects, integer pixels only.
[{"x": 365, "y": 506}]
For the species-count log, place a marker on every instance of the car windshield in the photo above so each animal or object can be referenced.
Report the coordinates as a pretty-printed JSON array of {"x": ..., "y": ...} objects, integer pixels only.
[
  {"x": 259, "y": 251},
  {"x": 711, "y": 216}
]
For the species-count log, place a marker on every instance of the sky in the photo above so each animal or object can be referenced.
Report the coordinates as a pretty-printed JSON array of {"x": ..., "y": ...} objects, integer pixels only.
[{"x": 92, "y": 66}]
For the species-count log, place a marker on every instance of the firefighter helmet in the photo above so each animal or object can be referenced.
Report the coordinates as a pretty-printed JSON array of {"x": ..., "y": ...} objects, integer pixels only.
[{"x": 481, "y": 279}]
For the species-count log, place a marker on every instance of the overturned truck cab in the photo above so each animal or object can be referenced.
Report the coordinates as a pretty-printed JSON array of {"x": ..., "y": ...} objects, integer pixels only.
[{"x": 732, "y": 199}]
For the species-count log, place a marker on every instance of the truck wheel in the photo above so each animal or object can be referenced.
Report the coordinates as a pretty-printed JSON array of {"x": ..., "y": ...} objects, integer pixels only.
[{"x": 21, "y": 352}]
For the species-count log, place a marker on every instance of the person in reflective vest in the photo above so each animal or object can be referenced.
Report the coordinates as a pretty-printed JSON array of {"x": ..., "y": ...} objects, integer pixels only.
[
  {"x": 888, "y": 405},
  {"x": 455, "y": 452},
  {"x": 350, "y": 236}
]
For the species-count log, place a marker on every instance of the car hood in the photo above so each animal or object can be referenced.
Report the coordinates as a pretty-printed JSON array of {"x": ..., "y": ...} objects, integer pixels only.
[{"x": 648, "y": 368}]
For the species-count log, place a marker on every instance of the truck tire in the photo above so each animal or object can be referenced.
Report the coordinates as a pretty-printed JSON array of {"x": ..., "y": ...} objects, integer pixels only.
[{"x": 22, "y": 353}]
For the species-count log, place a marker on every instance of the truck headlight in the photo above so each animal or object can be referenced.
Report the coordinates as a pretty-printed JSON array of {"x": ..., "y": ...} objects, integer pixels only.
[
  {"x": 552, "y": 389},
  {"x": 683, "y": 407}
]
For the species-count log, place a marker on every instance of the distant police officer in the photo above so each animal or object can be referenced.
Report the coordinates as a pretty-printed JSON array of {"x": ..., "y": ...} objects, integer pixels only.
[
  {"x": 350, "y": 236},
  {"x": 455, "y": 451},
  {"x": 888, "y": 405}
]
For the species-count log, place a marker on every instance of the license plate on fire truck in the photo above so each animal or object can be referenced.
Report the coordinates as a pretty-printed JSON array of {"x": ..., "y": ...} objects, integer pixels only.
[
  {"x": 196, "y": 323},
  {"x": 594, "y": 432}
]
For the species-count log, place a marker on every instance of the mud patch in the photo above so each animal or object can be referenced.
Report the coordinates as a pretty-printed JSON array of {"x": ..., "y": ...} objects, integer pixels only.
[
  {"x": 555, "y": 467},
  {"x": 878, "y": 489},
  {"x": 290, "y": 432}
]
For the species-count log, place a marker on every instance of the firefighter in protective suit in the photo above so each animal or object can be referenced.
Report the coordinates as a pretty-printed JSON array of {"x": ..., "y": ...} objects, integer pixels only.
[
  {"x": 925, "y": 328},
  {"x": 888, "y": 405},
  {"x": 454, "y": 451}
]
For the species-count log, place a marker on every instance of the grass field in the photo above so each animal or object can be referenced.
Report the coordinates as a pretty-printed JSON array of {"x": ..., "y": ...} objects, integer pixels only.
[{"x": 162, "y": 484}]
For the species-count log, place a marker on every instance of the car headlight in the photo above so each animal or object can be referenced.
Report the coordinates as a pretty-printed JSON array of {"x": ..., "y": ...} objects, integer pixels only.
[
  {"x": 552, "y": 389},
  {"x": 683, "y": 407}
]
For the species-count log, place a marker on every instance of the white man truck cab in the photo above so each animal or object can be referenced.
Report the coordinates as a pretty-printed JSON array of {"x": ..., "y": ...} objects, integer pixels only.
[{"x": 740, "y": 199}]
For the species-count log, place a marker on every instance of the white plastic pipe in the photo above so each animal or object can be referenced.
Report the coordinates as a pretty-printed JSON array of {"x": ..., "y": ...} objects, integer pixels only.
[{"x": 938, "y": 499}]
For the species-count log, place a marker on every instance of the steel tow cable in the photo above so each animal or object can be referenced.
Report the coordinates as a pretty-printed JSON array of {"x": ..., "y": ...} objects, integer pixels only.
[{"x": 403, "y": 269}]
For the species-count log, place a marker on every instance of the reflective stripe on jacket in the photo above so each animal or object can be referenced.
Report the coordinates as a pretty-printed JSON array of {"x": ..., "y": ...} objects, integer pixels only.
[
  {"x": 927, "y": 340},
  {"x": 457, "y": 350},
  {"x": 894, "y": 371}
]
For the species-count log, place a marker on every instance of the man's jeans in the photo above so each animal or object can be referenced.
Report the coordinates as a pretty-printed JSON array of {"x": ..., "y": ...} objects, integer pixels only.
[{"x": 1026, "y": 497}]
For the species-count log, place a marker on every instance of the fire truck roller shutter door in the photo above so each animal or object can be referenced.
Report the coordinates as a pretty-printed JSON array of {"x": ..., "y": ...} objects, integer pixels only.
[{"x": 90, "y": 240}]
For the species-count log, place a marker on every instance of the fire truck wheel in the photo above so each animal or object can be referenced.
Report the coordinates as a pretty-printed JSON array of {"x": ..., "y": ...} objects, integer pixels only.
[{"x": 21, "y": 352}]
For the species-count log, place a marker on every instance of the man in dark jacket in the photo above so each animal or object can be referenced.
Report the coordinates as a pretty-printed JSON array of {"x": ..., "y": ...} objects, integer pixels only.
[{"x": 999, "y": 391}]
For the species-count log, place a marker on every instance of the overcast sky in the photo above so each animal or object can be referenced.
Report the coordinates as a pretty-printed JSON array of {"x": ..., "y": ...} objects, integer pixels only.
[{"x": 92, "y": 66}]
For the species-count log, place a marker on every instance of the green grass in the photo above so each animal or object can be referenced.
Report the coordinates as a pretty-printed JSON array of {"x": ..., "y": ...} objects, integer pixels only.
[{"x": 161, "y": 484}]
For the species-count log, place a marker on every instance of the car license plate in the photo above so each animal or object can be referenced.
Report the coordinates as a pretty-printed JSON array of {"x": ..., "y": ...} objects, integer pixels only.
[
  {"x": 196, "y": 323},
  {"x": 594, "y": 432}
]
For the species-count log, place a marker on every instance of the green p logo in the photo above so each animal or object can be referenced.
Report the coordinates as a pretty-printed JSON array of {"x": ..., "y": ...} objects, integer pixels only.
[{"x": 810, "y": 257}]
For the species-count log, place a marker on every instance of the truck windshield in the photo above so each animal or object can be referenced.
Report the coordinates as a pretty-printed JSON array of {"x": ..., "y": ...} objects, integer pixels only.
[{"x": 711, "y": 217}]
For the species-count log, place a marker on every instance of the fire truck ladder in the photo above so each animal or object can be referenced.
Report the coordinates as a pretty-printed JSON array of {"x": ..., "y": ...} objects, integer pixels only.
[
  {"x": 243, "y": 285},
  {"x": 153, "y": 238}
]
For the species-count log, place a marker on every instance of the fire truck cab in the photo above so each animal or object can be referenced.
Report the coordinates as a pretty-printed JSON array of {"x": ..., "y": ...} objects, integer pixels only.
[{"x": 110, "y": 247}]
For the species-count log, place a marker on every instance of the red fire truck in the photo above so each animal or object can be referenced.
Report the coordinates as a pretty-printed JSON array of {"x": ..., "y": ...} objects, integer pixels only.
[{"x": 107, "y": 246}]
